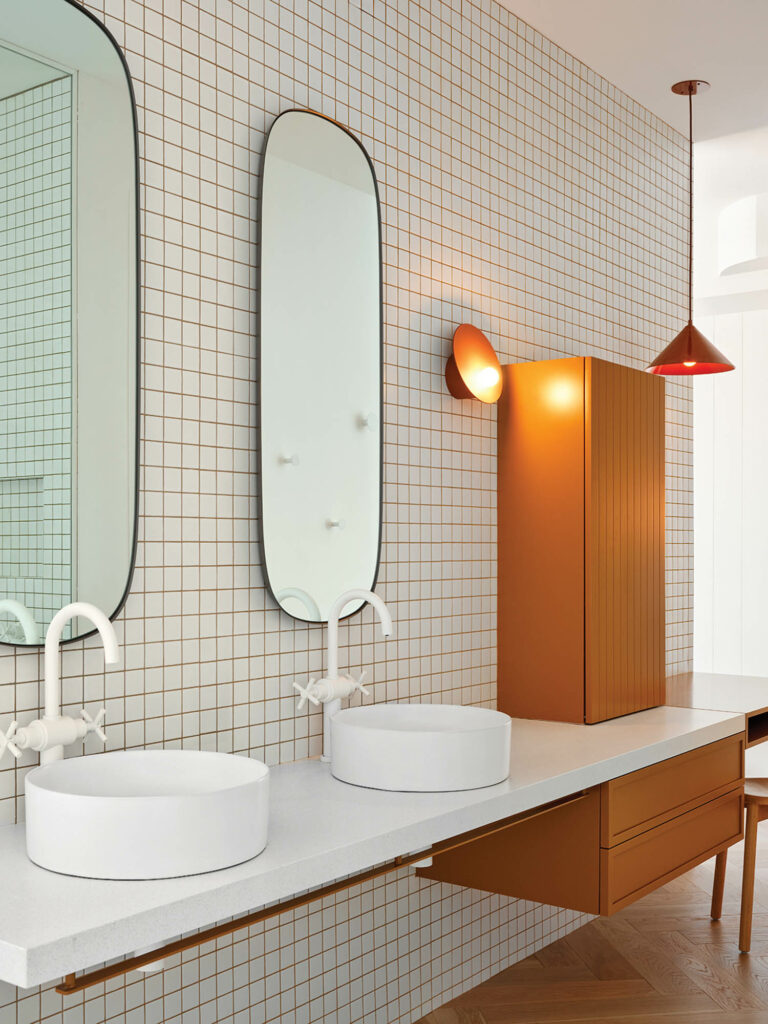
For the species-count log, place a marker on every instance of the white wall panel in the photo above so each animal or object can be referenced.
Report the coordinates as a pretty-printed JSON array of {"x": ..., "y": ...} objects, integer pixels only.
[
  {"x": 703, "y": 512},
  {"x": 755, "y": 495},
  {"x": 731, "y": 501}
]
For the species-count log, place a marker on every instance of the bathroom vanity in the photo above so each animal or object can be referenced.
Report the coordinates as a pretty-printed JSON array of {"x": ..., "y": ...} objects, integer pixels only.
[
  {"x": 322, "y": 830},
  {"x": 602, "y": 849}
]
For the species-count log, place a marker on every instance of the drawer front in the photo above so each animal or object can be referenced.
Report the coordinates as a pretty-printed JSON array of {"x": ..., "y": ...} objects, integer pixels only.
[
  {"x": 631, "y": 869},
  {"x": 635, "y": 803}
]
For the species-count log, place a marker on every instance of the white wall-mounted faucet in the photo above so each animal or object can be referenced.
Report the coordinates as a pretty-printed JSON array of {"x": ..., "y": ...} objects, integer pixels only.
[
  {"x": 330, "y": 690},
  {"x": 51, "y": 733}
]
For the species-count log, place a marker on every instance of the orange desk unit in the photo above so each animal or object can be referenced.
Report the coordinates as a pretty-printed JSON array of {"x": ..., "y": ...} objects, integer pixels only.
[
  {"x": 581, "y": 540},
  {"x": 600, "y": 850}
]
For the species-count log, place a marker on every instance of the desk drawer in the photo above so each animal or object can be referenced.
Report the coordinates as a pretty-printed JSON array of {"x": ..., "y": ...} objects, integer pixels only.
[
  {"x": 639, "y": 865},
  {"x": 635, "y": 803}
]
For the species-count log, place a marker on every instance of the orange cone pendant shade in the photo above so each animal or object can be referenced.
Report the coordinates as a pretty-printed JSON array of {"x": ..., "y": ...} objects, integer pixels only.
[{"x": 690, "y": 352}]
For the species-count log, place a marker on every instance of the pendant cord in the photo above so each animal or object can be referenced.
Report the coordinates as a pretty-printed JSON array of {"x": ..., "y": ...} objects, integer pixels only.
[{"x": 690, "y": 203}]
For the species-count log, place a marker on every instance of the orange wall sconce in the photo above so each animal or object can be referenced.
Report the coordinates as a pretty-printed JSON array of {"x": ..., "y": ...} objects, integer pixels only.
[{"x": 473, "y": 369}]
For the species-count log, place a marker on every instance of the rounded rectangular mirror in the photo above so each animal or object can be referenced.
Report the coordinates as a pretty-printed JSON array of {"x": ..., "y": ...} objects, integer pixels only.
[
  {"x": 320, "y": 371},
  {"x": 68, "y": 317}
]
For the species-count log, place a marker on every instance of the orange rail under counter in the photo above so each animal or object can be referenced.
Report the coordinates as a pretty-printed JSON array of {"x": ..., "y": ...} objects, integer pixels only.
[{"x": 581, "y": 540}]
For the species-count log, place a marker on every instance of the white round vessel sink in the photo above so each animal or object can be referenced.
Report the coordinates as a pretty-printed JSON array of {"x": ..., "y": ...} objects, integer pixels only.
[
  {"x": 146, "y": 813},
  {"x": 420, "y": 747}
]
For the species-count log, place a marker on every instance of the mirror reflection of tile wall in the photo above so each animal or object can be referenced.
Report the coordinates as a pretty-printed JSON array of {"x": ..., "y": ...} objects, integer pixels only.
[{"x": 36, "y": 350}]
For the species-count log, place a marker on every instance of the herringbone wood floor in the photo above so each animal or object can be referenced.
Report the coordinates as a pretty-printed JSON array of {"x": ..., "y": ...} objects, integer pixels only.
[{"x": 661, "y": 961}]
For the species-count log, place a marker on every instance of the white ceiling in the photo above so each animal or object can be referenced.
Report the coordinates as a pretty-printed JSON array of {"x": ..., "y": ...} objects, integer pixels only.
[
  {"x": 19, "y": 72},
  {"x": 644, "y": 46}
]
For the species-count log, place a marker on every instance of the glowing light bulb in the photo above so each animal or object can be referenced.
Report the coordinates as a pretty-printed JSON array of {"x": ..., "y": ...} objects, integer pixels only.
[
  {"x": 689, "y": 364},
  {"x": 487, "y": 377},
  {"x": 473, "y": 371}
]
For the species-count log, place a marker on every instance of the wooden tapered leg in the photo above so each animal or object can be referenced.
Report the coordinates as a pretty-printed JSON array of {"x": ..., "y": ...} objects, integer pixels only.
[
  {"x": 748, "y": 879},
  {"x": 718, "y": 885}
]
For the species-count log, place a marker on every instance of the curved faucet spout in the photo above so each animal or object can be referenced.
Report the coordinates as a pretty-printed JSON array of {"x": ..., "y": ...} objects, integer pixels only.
[
  {"x": 52, "y": 683},
  {"x": 301, "y": 595},
  {"x": 334, "y": 614},
  {"x": 25, "y": 617}
]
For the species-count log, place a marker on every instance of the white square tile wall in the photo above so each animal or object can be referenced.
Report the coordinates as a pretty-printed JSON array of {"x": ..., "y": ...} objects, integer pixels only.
[{"x": 521, "y": 192}]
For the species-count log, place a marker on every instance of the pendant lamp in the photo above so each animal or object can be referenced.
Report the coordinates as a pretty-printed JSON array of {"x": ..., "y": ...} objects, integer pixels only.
[{"x": 690, "y": 352}]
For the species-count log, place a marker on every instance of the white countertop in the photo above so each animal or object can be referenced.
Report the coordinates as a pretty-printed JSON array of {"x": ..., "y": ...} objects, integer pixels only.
[
  {"x": 718, "y": 691},
  {"x": 320, "y": 830}
]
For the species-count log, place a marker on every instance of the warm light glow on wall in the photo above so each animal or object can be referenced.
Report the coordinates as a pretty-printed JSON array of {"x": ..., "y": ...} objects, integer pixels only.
[{"x": 562, "y": 395}]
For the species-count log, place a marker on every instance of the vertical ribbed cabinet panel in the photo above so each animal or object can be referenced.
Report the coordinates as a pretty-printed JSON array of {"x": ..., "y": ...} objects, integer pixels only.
[
  {"x": 581, "y": 540},
  {"x": 624, "y": 540}
]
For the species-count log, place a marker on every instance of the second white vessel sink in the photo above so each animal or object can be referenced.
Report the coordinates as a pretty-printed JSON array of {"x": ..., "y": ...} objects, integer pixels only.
[
  {"x": 146, "y": 813},
  {"x": 420, "y": 747}
]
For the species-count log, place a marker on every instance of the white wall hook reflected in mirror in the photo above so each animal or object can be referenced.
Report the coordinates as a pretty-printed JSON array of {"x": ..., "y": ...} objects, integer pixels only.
[
  {"x": 335, "y": 524},
  {"x": 289, "y": 460},
  {"x": 366, "y": 420}
]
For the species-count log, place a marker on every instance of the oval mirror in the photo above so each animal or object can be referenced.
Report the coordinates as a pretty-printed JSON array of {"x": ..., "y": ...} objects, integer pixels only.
[
  {"x": 68, "y": 318},
  {"x": 320, "y": 373}
]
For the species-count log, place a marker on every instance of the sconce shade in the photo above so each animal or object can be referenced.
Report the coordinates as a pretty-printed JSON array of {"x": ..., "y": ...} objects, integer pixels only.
[
  {"x": 688, "y": 354},
  {"x": 473, "y": 370}
]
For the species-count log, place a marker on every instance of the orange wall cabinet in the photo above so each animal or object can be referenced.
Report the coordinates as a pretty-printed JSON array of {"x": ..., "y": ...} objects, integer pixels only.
[
  {"x": 581, "y": 540},
  {"x": 603, "y": 849}
]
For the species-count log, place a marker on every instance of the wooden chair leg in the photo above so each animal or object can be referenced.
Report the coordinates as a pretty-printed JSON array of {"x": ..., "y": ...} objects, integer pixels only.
[
  {"x": 718, "y": 886},
  {"x": 748, "y": 879}
]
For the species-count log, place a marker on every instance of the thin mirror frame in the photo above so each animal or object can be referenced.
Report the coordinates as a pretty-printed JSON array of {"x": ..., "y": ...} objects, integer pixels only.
[
  {"x": 380, "y": 503},
  {"x": 137, "y": 405}
]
